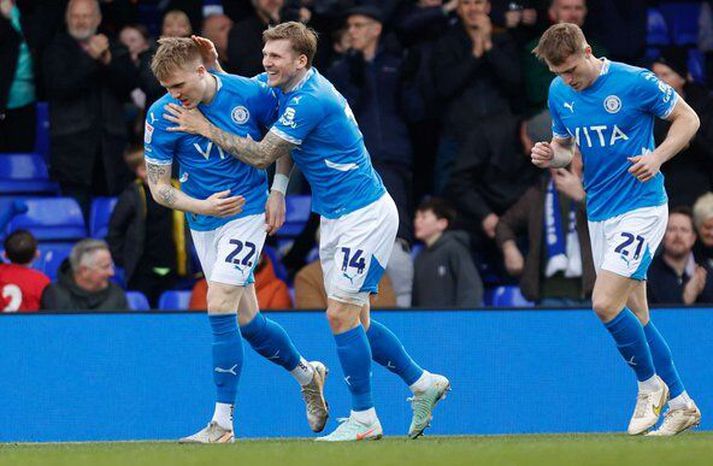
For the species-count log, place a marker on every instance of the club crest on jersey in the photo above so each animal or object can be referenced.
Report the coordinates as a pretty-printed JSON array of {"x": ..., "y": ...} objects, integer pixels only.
[
  {"x": 240, "y": 115},
  {"x": 612, "y": 104}
]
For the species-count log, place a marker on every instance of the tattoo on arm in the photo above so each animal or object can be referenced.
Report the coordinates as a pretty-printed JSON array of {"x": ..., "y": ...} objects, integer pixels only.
[
  {"x": 167, "y": 194},
  {"x": 259, "y": 154},
  {"x": 156, "y": 172}
]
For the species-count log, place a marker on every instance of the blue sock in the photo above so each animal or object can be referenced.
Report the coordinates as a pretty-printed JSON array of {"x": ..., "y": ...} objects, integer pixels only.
[
  {"x": 387, "y": 350},
  {"x": 355, "y": 356},
  {"x": 271, "y": 341},
  {"x": 227, "y": 356},
  {"x": 631, "y": 343},
  {"x": 663, "y": 360}
]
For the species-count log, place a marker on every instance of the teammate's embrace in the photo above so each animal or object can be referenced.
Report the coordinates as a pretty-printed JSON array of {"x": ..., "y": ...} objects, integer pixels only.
[
  {"x": 358, "y": 225},
  {"x": 607, "y": 109},
  {"x": 228, "y": 227}
]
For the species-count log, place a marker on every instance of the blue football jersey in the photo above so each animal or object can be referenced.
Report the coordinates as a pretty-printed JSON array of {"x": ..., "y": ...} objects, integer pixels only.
[
  {"x": 610, "y": 121},
  {"x": 241, "y": 106},
  {"x": 330, "y": 148}
]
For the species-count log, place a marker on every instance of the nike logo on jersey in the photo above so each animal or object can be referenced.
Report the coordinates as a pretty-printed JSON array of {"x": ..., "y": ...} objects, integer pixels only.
[
  {"x": 570, "y": 106},
  {"x": 342, "y": 167},
  {"x": 220, "y": 370}
]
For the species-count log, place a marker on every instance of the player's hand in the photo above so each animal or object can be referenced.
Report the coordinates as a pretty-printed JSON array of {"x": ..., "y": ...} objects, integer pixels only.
[
  {"x": 188, "y": 120},
  {"x": 568, "y": 184},
  {"x": 514, "y": 262},
  {"x": 542, "y": 154},
  {"x": 644, "y": 167},
  {"x": 274, "y": 212},
  {"x": 223, "y": 205},
  {"x": 209, "y": 54},
  {"x": 489, "y": 224}
]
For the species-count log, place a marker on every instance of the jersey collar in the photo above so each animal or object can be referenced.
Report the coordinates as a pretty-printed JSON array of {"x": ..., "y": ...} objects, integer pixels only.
[
  {"x": 310, "y": 72},
  {"x": 605, "y": 66}
]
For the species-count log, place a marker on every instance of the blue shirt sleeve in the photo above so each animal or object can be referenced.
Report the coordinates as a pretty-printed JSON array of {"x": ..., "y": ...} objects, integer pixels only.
[
  {"x": 159, "y": 144},
  {"x": 265, "y": 102},
  {"x": 655, "y": 96},
  {"x": 302, "y": 114},
  {"x": 559, "y": 130}
]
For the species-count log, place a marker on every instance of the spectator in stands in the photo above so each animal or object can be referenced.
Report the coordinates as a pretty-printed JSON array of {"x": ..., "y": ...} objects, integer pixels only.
[
  {"x": 176, "y": 24},
  {"x": 216, "y": 27},
  {"x": 87, "y": 77},
  {"x": 245, "y": 38},
  {"x": 145, "y": 238},
  {"x": 674, "y": 276},
  {"x": 272, "y": 293},
  {"x": 381, "y": 96},
  {"x": 537, "y": 75},
  {"x": 477, "y": 77},
  {"x": 444, "y": 273},
  {"x": 703, "y": 220},
  {"x": 620, "y": 28},
  {"x": 20, "y": 286},
  {"x": 135, "y": 37},
  {"x": 17, "y": 82},
  {"x": 690, "y": 174},
  {"x": 558, "y": 270},
  {"x": 310, "y": 293},
  {"x": 83, "y": 283}
]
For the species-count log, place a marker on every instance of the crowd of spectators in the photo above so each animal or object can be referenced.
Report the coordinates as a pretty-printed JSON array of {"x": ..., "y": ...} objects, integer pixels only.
[{"x": 450, "y": 101}]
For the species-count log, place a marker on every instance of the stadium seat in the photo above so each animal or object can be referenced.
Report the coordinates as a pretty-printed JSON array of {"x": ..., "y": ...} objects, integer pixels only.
[
  {"x": 51, "y": 219},
  {"x": 119, "y": 276},
  {"x": 682, "y": 19},
  {"x": 99, "y": 216},
  {"x": 42, "y": 130},
  {"x": 298, "y": 211},
  {"x": 657, "y": 34},
  {"x": 697, "y": 66},
  {"x": 174, "y": 300},
  {"x": 509, "y": 296},
  {"x": 280, "y": 270},
  {"x": 25, "y": 173},
  {"x": 51, "y": 257},
  {"x": 137, "y": 301}
]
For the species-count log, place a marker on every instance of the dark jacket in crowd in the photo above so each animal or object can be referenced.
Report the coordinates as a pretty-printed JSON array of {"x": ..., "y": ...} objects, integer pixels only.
[
  {"x": 10, "y": 41},
  {"x": 690, "y": 173},
  {"x": 444, "y": 274},
  {"x": 665, "y": 286},
  {"x": 474, "y": 88},
  {"x": 245, "y": 47},
  {"x": 66, "y": 295},
  {"x": 127, "y": 237},
  {"x": 491, "y": 171},
  {"x": 527, "y": 216},
  {"x": 147, "y": 80},
  {"x": 86, "y": 114}
]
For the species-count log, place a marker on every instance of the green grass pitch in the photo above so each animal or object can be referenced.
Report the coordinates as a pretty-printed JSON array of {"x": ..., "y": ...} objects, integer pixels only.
[{"x": 690, "y": 449}]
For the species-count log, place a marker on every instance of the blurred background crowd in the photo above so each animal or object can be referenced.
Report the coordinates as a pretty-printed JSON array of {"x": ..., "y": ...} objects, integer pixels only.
[{"x": 449, "y": 99}]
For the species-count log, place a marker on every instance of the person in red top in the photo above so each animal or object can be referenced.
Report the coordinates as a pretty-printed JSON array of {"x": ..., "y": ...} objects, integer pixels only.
[{"x": 20, "y": 286}]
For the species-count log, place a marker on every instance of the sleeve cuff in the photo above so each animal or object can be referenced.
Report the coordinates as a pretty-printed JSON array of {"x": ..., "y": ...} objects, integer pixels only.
[{"x": 286, "y": 136}]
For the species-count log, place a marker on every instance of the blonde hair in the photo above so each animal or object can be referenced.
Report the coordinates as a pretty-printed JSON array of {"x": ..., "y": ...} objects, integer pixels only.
[
  {"x": 703, "y": 209},
  {"x": 559, "y": 42},
  {"x": 302, "y": 38},
  {"x": 173, "y": 53}
]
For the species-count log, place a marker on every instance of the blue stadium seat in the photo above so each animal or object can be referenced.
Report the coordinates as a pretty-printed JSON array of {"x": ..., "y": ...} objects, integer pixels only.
[
  {"x": 509, "y": 296},
  {"x": 174, "y": 300},
  {"x": 99, "y": 216},
  {"x": 119, "y": 276},
  {"x": 697, "y": 66},
  {"x": 280, "y": 270},
  {"x": 25, "y": 173},
  {"x": 51, "y": 219},
  {"x": 51, "y": 257},
  {"x": 682, "y": 18},
  {"x": 137, "y": 301},
  {"x": 42, "y": 130},
  {"x": 298, "y": 211},
  {"x": 657, "y": 34}
]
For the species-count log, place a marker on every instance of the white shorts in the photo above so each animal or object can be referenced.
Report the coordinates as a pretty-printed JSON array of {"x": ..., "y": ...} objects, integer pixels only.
[
  {"x": 230, "y": 253},
  {"x": 625, "y": 244},
  {"x": 355, "y": 249}
]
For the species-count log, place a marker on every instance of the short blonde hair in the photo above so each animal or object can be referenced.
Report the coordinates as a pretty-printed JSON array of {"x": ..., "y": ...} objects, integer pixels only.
[
  {"x": 703, "y": 209},
  {"x": 173, "y": 53},
  {"x": 559, "y": 42},
  {"x": 302, "y": 38}
]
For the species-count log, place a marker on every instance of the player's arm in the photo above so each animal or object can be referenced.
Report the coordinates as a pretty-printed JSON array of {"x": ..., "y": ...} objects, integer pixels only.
[
  {"x": 684, "y": 125},
  {"x": 219, "y": 204},
  {"x": 275, "y": 208},
  {"x": 259, "y": 154},
  {"x": 555, "y": 154}
]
